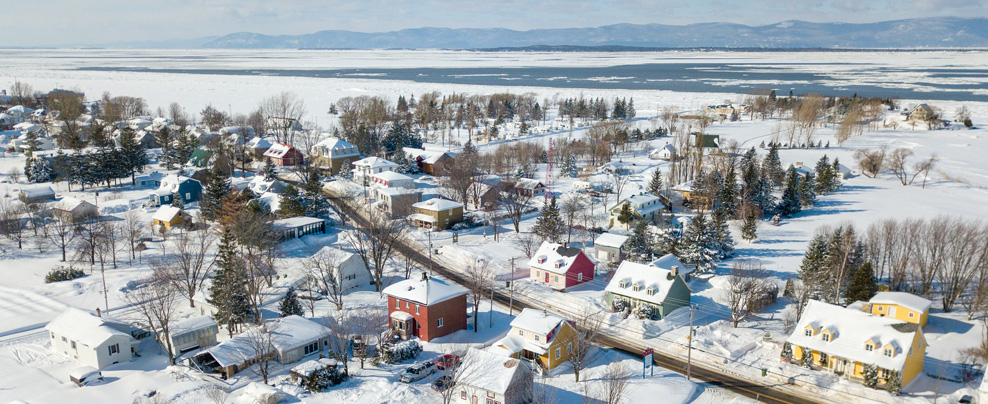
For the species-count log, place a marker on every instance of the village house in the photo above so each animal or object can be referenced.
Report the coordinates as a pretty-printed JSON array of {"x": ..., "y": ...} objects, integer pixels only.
[
  {"x": 348, "y": 268},
  {"x": 294, "y": 337},
  {"x": 200, "y": 158},
  {"x": 561, "y": 267},
  {"x": 37, "y": 194},
  {"x": 922, "y": 112},
  {"x": 900, "y": 306},
  {"x": 644, "y": 207},
  {"x": 284, "y": 155},
  {"x": 74, "y": 210},
  {"x": 435, "y": 213},
  {"x": 658, "y": 291},
  {"x": 258, "y": 146},
  {"x": 528, "y": 187},
  {"x": 297, "y": 227},
  {"x": 365, "y": 168},
  {"x": 844, "y": 342},
  {"x": 426, "y": 307},
  {"x": 92, "y": 339},
  {"x": 192, "y": 334},
  {"x": 259, "y": 185},
  {"x": 397, "y": 202},
  {"x": 537, "y": 336},
  {"x": 667, "y": 153},
  {"x": 690, "y": 198},
  {"x": 486, "y": 377},
  {"x": 391, "y": 179},
  {"x": 708, "y": 144},
  {"x": 168, "y": 216},
  {"x": 152, "y": 179},
  {"x": 188, "y": 189},
  {"x": 610, "y": 247},
  {"x": 333, "y": 154},
  {"x": 432, "y": 162}
]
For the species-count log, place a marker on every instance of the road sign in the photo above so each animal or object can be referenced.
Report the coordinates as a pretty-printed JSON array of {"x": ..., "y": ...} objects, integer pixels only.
[{"x": 648, "y": 362}]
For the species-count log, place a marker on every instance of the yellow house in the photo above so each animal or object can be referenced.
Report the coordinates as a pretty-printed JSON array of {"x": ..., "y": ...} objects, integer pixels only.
[
  {"x": 537, "y": 336},
  {"x": 845, "y": 341},
  {"x": 900, "y": 306},
  {"x": 435, "y": 213},
  {"x": 168, "y": 216}
]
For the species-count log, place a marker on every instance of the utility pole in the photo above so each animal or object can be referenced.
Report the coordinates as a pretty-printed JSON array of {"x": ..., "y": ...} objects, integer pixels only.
[
  {"x": 429, "y": 232},
  {"x": 511, "y": 288},
  {"x": 491, "y": 313},
  {"x": 689, "y": 351}
]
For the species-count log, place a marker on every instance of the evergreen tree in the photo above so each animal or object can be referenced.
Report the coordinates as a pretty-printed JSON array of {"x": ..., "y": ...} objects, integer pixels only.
[
  {"x": 346, "y": 172},
  {"x": 894, "y": 383},
  {"x": 29, "y": 167},
  {"x": 134, "y": 157},
  {"x": 862, "y": 287},
  {"x": 40, "y": 170},
  {"x": 269, "y": 170},
  {"x": 870, "y": 374},
  {"x": 727, "y": 197},
  {"x": 749, "y": 227},
  {"x": 549, "y": 225},
  {"x": 165, "y": 140},
  {"x": 185, "y": 145},
  {"x": 177, "y": 201},
  {"x": 807, "y": 197},
  {"x": 694, "y": 245},
  {"x": 790, "y": 203},
  {"x": 217, "y": 188},
  {"x": 787, "y": 351},
  {"x": 292, "y": 203},
  {"x": 626, "y": 216},
  {"x": 763, "y": 197},
  {"x": 289, "y": 304},
  {"x": 720, "y": 235},
  {"x": 835, "y": 175},
  {"x": 401, "y": 159},
  {"x": 226, "y": 293},
  {"x": 629, "y": 110},
  {"x": 655, "y": 186},
  {"x": 31, "y": 142},
  {"x": 812, "y": 270},
  {"x": 316, "y": 204},
  {"x": 824, "y": 176},
  {"x": 569, "y": 166},
  {"x": 806, "y": 359},
  {"x": 772, "y": 166},
  {"x": 639, "y": 244}
]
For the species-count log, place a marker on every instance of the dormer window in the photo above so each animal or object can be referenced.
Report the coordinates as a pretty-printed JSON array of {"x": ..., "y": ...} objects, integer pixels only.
[
  {"x": 559, "y": 264},
  {"x": 542, "y": 259},
  {"x": 825, "y": 337},
  {"x": 869, "y": 347},
  {"x": 623, "y": 284},
  {"x": 650, "y": 291},
  {"x": 889, "y": 352},
  {"x": 809, "y": 332},
  {"x": 636, "y": 287}
]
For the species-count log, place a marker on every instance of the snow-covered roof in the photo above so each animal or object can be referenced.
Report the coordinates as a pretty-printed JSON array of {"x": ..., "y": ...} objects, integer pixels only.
[
  {"x": 666, "y": 262},
  {"x": 512, "y": 343},
  {"x": 645, "y": 276},
  {"x": 374, "y": 162},
  {"x": 554, "y": 258},
  {"x": 191, "y": 325},
  {"x": 850, "y": 330},
  {"x": 391, "y": 176},
  {"x": 278, "y": 150},
  {"x": 69, "y": 204},
  {"x": 537, "y": 321},
  {"x": 171, "y": 183},
  {"x": 308, "y": 367},
  {"x": 489, "y": 371},
  {"x": 427, "y": 156},
  {"x": 166, "y": 213},
  {"x": 294, "y": 331},
  {"x": 423, "y": 218},
  {"x": 336, "y": 147},
  {"x": 907, "y": 300},
  {"x": 436, "y": 205},
  {"x": 87, "y": 328},
  {"x": 260, "y": 185},
  {"x": 611, "y": 240},
  {"x": 19, "y": 110},
  {"x": 259, "y": 143},
  {"x": 294, "y": 222},
  {"x": 528, "y": 183},
  {"x": 642, "y": 204},
  {"x": 27, "y": 127},
  {"x": 32, "y": 192},
  {"x": 684, "y": 187},
  {"x": 427, "y": 292},
  {"x": 401, "y": 315}
]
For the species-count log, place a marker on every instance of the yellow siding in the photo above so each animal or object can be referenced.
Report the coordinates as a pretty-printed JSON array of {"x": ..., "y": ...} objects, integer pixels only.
[
  {"x": 901, "y": 313},
  {"x": 914, "y": 363}
]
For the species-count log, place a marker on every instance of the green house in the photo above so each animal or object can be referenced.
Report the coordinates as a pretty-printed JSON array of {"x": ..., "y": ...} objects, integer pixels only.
[
  {"x": 661, "y": 289},
  {"x": 200, "y": 158}
]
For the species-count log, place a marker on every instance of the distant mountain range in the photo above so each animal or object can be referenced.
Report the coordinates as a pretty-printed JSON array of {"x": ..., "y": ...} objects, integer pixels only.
[{"x": 940, "y": 32}]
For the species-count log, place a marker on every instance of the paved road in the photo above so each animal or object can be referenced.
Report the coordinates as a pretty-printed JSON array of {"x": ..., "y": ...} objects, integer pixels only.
[{"x": 761, "y": 392}]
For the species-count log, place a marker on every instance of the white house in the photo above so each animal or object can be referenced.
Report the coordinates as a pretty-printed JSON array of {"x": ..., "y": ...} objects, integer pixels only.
[
  {"x": 365, "y": 168},
  {"x": 667, "y": 153},
  {"x": 293, "y": 338},
  {"x": 487, "y": 377},
  {"x": 333, "y": 153},
  {"x": 193, "y": 333},
  {"x": 348, "y": 267},
  {"x": 646, "y": 206},
  {"x": 91, "y": 339},
  {"x": 610, "y": 247},
  {"x": 391, "y": 179}
]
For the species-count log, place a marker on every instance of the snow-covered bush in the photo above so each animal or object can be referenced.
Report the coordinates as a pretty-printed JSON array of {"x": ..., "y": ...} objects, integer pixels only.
[
  {"x": 322, "y": 379},
  {"x": 870, "y": 374},
  {"x": 399, "y": 352},
  {"x": 61, "y": 273},
  {"x": 894, "y": 383},
  {"x": 618, "y": 305},
  {"x": 642, "y": 312},
  {"x": 807, "y": 359},
  {"x": 787, "y": 352}
]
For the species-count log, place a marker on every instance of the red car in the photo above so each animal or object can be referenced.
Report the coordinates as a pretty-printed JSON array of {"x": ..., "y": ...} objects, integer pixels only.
[{"x": 447, "y": 360}]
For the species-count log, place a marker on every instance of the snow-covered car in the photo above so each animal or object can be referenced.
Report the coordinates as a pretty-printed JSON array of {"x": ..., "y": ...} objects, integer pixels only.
[
  {"x": 418, "y": 372},
  {"x": 85, "y": 376},
  {"x": 442, "y": 383}
]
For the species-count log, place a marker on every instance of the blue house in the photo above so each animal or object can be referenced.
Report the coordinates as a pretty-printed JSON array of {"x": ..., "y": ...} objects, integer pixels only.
[{"x": 189, "y": 189}]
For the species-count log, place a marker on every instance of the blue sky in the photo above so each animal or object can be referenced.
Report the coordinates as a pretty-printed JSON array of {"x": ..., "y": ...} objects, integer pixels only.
[{"x": 89, "y": 22}]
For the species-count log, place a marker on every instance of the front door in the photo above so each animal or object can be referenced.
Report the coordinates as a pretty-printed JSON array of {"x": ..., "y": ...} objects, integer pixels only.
[
  {"x": 546, "y": 277},
  {"x": 473, "y": 400}
]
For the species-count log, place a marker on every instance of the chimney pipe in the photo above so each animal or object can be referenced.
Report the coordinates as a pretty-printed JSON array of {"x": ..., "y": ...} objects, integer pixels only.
[
  {"x": 675, "y": 270},
  {"x": 425, "y": 277},
  {"x": 98, "y": 312}
]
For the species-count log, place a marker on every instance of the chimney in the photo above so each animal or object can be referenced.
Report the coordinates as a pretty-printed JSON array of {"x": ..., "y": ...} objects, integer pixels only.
[
  {"x": 425, "y": 277},
  {"x": 98, "y": 313},
  {"x": 675, "y": 270}
]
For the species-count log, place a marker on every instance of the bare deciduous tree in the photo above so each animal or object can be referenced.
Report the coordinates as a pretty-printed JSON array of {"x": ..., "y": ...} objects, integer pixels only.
[
  {"x": 614, "y": 383},
  {"x": 12, "y": 221},
  {"x": 324, "y": 272},
  {"x": 376, "y": 242},
  {"x": 871, "y": 162},
  {"x": 59, "y": 230},
  {"x": 515, "y": 205},
  {"x": 189, "y": 266},
  {"x": 284, "y": 113},
  {"x": 479, "y": 280},
  {"x": 154, "y": 301},
  {"x": 133, "y": 230},
  {"x": 588, "y": 326},
  {"x": 260, "y": 341},
  {"x": 368, "y": 325},
  {"x": 746, "y": 288}
]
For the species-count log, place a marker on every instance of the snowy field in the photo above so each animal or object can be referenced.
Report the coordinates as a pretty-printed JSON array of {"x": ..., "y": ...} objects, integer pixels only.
[{"x": 959, "y": 186}]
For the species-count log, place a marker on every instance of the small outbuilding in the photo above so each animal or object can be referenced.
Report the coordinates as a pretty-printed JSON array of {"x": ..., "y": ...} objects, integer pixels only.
[{"x": 37, "y": 194}]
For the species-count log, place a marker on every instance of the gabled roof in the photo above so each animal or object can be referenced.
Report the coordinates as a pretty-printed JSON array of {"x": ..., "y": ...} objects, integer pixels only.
[
  {"x": 426, "y": 156},
  {"x": 611, "y": 240},
  {"x": 537, "y": 321},
  {"x": 337, "y": 147},
  {"x": 69, "y": 204},
  {"x": 171, "y": 183},
  {"x": 907, "y": 300},
  {"x": 192, "y": 324},
  {"x": 278, "y": 150},
  {"x": 200, "y": 158},
  {"x": 259, "y": 143},
  {"x": 374, "y": 162},
  {"x": 491, "y": 372},
  {"x": 391, "y": 176},
  {"x": 166, "y": 213},
  {"x": 666, "y": 262},
  {"x": 437, "y": 205},
  {"x": 555, "y": 258},
  {"x": 632, "y": 273},
  {"x": 853, "y": 329},
  {"x": 527, "y": 183},
  {"x": 43, "y": 190},
  {"x": 288, "y": 333},
  {"x": 87, "y": 328},
  {"x": 427, "y": 292}
]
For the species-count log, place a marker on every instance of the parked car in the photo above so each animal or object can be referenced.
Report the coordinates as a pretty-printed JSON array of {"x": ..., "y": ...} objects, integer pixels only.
[
  {"x": 85, "y": 376},
  {"x": 447, "y": 360},
  {"x": 968, "y": 400},
  {"x": 442, "y": 383},
  {"x": 418, "y": 372}
]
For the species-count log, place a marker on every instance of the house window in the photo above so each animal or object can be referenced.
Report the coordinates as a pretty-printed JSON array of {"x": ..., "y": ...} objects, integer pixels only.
[
  {"x": 538, "y": 337},
  {"x": 579, "y": 277},
  {"x": 463, "y": 395},
  {"x": 397, "y": 304},
  {"x": 558, "y": 353},
  {"x": 188, "y": 196},
  {"x": 491, "y": 394},
  {"x": 115, "y": 348},
  {"x": 555, "y": 278},
  {"x": 826, "y": 337},
  {"x": 406, "y": 305},
  {"x": 311, "y": 348},
  {"x": 880, "y": 308},
  {"x": 808, "y": 333},
  {"x": 73, "y": 345},
  {"x": 869, "y": 347},
  {"x": 888, "y": 352},
  {"x": 64, "y": 339},
  {"x": 823, "y": 359},
  {"x": 521, "y": 333},
  {"x": 417, "y": 309},
  {"x": 885, "y": 373},
  {"x": 439, "y": 323},
  {"x": 911, "y": 314}
]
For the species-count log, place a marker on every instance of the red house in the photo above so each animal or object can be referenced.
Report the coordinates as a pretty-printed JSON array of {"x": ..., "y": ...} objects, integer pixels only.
[
  {"x": 561, "y": 267},
  {"x": 428, "y": 307},
  {"x": 284, "y": 155}
]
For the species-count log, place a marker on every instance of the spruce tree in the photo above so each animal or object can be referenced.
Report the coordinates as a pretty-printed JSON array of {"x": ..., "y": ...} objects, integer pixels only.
[
  {"x": 292, "y": 203},
  {"x": 134, "y": 157},
  {"x": 226, "y": 293},
  {"x": 749, "y": 227},
  {"x": 870, "y": 374},
  {"x": 655, "y": 186},
  {"x": 824, "y": 176},
  {"x": 639, "y": 244},
  {"x": 289, "y": 304},
  {"x": 695, "y": 244},
  {"x": 728, "y": 195},
  {"x": 29, "y": 168},
  {"x": 626, "y": 216},
  {"x": 812, "y": 270},
  {"x": 217, "y": 188},
  {"x": 569, "y": 166},
  {"x": 316, "y": 204},
  {"x": 772, "y": 166},
  {"x": 549, "y": 225},
  {"x": 177, "y": 201},
  {"x": 165, "y": 140},
  {"x": 346, "y": 172},
  {"x": 720, "y": 235},
  {"x": 894, "y": 383},
  {"x": 269, "y": 170},
  {"x": 790, "y": 203},
  {"x": 835, "y": 175},
  {"x": 862, "y": 287}
]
